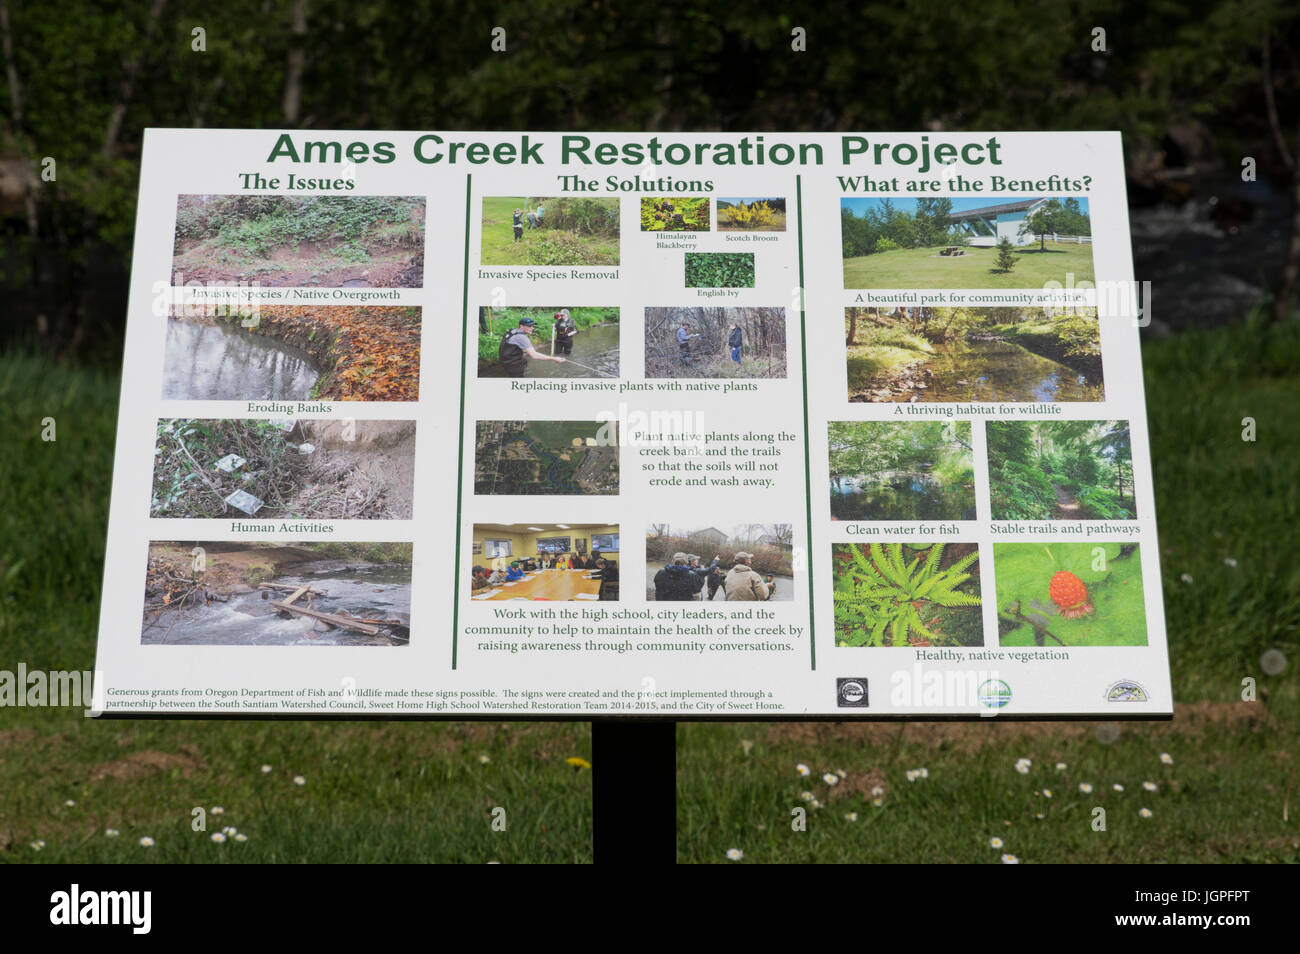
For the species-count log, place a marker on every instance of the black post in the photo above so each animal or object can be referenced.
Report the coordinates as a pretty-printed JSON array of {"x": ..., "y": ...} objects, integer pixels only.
[{"x": 634, "y": 791}]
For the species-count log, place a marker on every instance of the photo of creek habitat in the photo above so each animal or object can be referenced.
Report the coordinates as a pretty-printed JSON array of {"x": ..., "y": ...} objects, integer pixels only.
[
  {"x": 588, "y": 341},
  {"x": 917, "y": 470},
  {"x": 1060, "y": 470},
  {"x": 973, "y": 354},
  {"x": 312, "y": 469},
  {"x": 300, "y": 241},
  {"x": 293, "y": 352},
  {"x": 305, "y": 594}
]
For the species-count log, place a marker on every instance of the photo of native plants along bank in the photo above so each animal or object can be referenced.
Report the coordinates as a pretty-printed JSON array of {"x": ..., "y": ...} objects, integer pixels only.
[
  {"x": 1070, "y": 594},
  {"x": 533, "y": 230},
  {"x": 311, "y": 469},
  {"x": 990, "y": 241},
  {"x": 907, "y": 594},
  {"x": 300, "y": 241},
  {"x": 914, "y": 470},
  {"x": 674, "y": 214},
  {"x": 292, "y": 352},
  {"x": 585, "y": 337},
  {"x": 973, "y": 354},
  {"x": 751, "y": 214},
  {"x": 1060, "y": 470},
  {"x": 233, "y": 593},
  {"x": 530, "y": 458},
  {"x": 744, "y": 562},
  {"x": 715, "y": 343}
]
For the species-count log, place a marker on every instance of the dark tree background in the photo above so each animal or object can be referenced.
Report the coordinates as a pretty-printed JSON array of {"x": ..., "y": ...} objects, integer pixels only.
[{"x": 1196, "y": 88}]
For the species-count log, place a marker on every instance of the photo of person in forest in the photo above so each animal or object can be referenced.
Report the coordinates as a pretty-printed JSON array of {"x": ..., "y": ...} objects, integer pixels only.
[
  {"x": 1060, "y": 470},
  {"x": 715, "y": 342}
]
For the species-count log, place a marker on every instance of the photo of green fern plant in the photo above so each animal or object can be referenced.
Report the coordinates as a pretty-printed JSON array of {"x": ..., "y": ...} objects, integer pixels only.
[
  {"x": 1060, "y": 470},
  {"x": 907, "y": 594},
  {"x": 1070, "y": 594}
]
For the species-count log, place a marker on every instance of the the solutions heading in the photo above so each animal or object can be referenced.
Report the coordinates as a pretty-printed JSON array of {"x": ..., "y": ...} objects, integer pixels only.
[{"x": 749, "y": 150}]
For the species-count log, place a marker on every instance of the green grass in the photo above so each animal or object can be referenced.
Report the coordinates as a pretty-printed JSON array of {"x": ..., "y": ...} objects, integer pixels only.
[
  {"x": 926, "y": 268},
  {"x": 546, "y": 246}
]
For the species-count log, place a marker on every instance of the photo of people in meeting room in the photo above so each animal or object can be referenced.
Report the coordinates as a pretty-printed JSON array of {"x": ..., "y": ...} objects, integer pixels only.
[{"x": 544, "y": 561}]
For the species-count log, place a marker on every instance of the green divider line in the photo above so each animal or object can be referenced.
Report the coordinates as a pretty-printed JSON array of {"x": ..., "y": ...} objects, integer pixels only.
[
  {"x": 807, "y": 459},
  {"x": 460, "y": 450}
]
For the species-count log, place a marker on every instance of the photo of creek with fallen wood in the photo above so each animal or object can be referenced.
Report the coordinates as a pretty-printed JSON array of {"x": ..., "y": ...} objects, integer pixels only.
[{"x": 306, "y": 594}]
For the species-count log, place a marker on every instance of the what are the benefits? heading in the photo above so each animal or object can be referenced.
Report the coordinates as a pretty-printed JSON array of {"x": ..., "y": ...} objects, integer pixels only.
[{"x": 918, "y": 153}]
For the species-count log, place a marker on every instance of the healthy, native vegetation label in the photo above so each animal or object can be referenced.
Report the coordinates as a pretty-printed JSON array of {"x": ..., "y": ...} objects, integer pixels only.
[{"x": 503, "y": 425}]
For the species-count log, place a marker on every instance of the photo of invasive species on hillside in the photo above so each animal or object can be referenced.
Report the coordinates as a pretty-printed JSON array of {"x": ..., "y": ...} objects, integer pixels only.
[
  {"x": 991, "y": 241},
  {"x": 895, "y": 470},
  {"x": 586, "y": 337},
  {"x": 292, "y": 352},
  {"x": 719, "y": 269},
  {"x": 331, "y": 241},
  {"x": 533, "y": 230},
  {"x": 546, "y": 457},
  {"x": 907, "y": 594},
  {"x": 1060, "y": 470},
  {"x": 233, "y": 593},
  {"x": 973, "y": 354},
  {"x": 715, "y": 342},
  {"x": 315, "y": 469},
  {"x": 751, "y": 214},
  {"x": 1070, "y": 594},
  {"x": 674, "y": 214}
]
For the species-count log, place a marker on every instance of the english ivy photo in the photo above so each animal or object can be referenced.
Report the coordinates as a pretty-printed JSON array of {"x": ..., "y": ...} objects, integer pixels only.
[{"x": 719, "y": 269}]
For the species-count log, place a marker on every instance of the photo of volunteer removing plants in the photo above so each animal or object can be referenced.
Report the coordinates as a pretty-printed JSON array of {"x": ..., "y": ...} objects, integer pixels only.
[
  {"x": 1060, "y": 470},
  {"x": 747, "y": 562},
  {"x": 292, "y": 352},
  {"x": 231, "y": 593},
  {"x": 332, "y": 470},
  {"x": 1070, "y": 594},
  {"x": 531, "y": 230},
  {"x": 715, "y": 343},
  {"x": 988, "y": 241},
  {"x": 526, "y": 342},
  {"x": 300, "y": 241},
  {"x": 973, "y": 354}
]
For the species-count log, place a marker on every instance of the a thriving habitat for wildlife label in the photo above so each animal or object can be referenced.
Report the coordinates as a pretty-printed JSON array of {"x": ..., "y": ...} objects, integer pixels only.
[{"x": 681, "y": 425}]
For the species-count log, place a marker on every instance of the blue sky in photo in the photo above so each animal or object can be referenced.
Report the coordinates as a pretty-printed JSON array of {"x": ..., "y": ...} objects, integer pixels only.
[{"x": 858, "y": 205}]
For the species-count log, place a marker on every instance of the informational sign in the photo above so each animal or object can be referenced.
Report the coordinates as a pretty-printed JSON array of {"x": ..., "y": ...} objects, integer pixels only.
[{"x": 501, "y": 425}]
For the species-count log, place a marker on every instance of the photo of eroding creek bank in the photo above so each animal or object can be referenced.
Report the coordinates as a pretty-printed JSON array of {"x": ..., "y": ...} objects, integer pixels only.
[
  {"x": 973, "y": 354},
  {"x": 304, "y": 594}
]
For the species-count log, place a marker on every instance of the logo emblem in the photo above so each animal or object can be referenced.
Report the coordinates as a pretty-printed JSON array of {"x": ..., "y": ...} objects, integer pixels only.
[
  {"x": 1126, "y": 690},
  {"x": 993, "y": 693},
  {"x": 851, "y": 693}
]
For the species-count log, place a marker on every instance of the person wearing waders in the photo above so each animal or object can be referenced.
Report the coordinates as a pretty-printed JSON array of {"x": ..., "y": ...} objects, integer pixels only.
[
  {"x": 516, "y": 348},
  {"x": 565, "y": 331},
  {"x": 734, "y": 341},
  {"x": 518, "y": 223},
  {"x": 684, "y": 337}
]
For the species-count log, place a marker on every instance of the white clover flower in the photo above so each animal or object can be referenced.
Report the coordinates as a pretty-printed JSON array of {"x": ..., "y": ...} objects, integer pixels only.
[
  {"x": 877, "y": 801},
  {"x": 912, "y": 775},
  {"x": 1144, "y": 812},
  {"x": 1061, "y": 766},
  {"x": 111, "y": 832},
  {"x": 1150, "y": 786},
  {"x": 229, "y": 830},
  {"x": 735, "y": 854},
  {"x": 851, "y": 816},
  {"x": 806, "y": 796},
  {"x": 1047, "y": 793},
  {"x": 995, "y": 842},
  {"x": 240, "y": 836},
  {"x": 1010, "y": 860},
  {"x": 831, "y": 778},
  {"x": 802, "y": 770},
  {"x": 299, "y": 780},
  {"x": 1118, "y": 787},
  {"x": 877, "y": 791},
  {"x": 1085, "y": 787},
  {"x": 218, "y": 810},
  {"x": 923, "y": 773},
  {"x": 219, "y": 836},
  {"x": 266, "y": 769},
  {"x": 146, "y": 842},
  {"x": 37, "y": 845},
  {"x": 70, "y": 803},
  {"x": 1166, "y": 758},
  {"x": 841, "y": 773},
  {"x": 1023, "y": 766}
]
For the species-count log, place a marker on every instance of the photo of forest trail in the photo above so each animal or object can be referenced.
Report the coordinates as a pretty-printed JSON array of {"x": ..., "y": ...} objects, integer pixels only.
[
  {"x": 569, "y": 231},
  {"x": 915, "y": 470},
  {"x": 330, "y": 241},
  {"x": 751, "y": 214},
  {"x": 1060, "y": 470},
  {"x": 1070, "y": 594},
  {"x": 973, "y": 354},
  {"x": 310, "y": 469},
  {"x": 594, "y": 351},
  {"x": 707, "y": 350}
]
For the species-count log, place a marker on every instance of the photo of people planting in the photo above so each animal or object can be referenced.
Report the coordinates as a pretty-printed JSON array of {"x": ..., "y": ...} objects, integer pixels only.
[
  {"x": 973, "y": 354},
  {"x": 540, "y": 230},
  {"x": 907, "y": 594},
  {"x": 989, "y": 241},
  {"x": 715, "y": 342},
  {"x": 298, "y": 241},
  {"x": 675, "y": 214},
  {"x": 233, "y": 593},
  {"x": 894, "y": 470},
  {"x": 1069, "y": 594},
  {"x": 747, "y": 562},
  {"x": 1060, "y": 470},
  {"x": 751, "y": 214},
  {"x": 564, "y": 341},
  {"x": 293, "y": 352},
  {"x": 315, "y": 469}
]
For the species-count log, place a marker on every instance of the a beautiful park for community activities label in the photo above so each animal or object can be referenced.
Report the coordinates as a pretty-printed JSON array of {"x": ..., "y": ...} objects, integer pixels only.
[{"x": 689, "y": 425}]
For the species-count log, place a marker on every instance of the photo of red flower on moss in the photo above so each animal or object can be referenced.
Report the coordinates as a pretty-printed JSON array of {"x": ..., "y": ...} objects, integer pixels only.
[{"x": 1069, "y": 594}]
